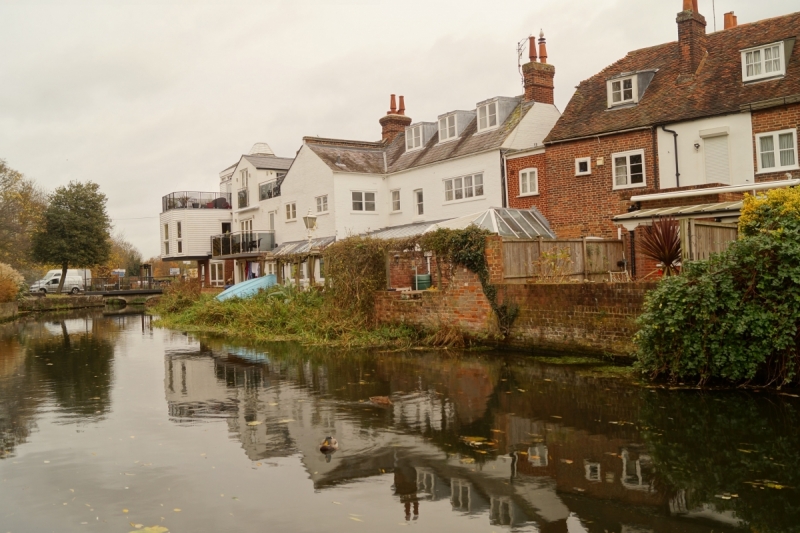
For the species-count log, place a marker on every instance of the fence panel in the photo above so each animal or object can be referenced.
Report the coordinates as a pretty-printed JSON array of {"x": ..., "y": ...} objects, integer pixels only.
[
  {"x": 574, "y": 259},
  {"x": 700, "y": 239}
]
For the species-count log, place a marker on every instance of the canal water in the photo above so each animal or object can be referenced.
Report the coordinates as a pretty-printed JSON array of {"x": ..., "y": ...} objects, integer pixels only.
[{"x": 110, "y": 425}]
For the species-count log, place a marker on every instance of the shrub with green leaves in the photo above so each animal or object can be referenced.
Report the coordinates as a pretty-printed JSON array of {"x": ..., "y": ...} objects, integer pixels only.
[{"x": 733, "y": 317}]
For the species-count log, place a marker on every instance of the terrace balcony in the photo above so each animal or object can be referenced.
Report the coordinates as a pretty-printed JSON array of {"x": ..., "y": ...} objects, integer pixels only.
[
  {"x": 242, "y": 244},
  {"x": 195, "y": 200}
]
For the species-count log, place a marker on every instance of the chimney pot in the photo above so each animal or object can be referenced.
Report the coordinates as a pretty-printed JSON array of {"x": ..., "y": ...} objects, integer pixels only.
[
  {"x": 542, "y": 47},
  {"x": 691, "y": 39},
  {"x": 537, "y": 78},
  {"x": 687, "y": 5},
  {"x": 532, "y": 49},
  {"x": 402, "y": 109},
  {"x": 392, "y": 106}
]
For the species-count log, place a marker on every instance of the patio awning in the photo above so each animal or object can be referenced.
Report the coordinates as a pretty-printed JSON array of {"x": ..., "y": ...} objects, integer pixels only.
[
  {"x": 644, "y": 216},
  {"x": 506, "y": 222}
]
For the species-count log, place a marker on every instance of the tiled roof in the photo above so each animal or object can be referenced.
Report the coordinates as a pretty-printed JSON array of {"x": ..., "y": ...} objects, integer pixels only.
[
  {"x": 378, "y": 158},
  {"x": 716, "y": 89},
  {"x": 270, "y": 162}
]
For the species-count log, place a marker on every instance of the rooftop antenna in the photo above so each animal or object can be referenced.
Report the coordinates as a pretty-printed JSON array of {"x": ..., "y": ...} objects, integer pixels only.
[
  {"x": 714, "y": 13},
  {"x": 520, "y": 52}
]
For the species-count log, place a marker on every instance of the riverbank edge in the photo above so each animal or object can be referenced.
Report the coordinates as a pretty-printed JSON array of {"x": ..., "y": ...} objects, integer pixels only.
[{"x": 45, "y": 304}]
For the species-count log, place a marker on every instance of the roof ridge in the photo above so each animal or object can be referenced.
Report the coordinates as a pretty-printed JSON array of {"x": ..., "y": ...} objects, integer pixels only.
[{"x": 326, "y": 141}]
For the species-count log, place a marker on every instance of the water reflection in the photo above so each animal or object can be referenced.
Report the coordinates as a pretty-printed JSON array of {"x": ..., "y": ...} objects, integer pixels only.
[{"x": 468, "y": 442}]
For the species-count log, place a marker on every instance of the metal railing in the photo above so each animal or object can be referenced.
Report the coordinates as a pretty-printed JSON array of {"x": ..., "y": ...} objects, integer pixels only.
[
  {"x": 195, "y": 200},
  {"x": 127, "y": 283},
  {"x": 242, "y": 242}
]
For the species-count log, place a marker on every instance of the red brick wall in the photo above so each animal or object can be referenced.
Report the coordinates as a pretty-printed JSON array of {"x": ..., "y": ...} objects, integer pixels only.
[
  {"x": 401, "y": 269},
  {"x": 513, "y": 167},
  {"x": 539, "y": 82},
  {"x": 578, "y": 206},
  {"x": 774, "y": 119}
]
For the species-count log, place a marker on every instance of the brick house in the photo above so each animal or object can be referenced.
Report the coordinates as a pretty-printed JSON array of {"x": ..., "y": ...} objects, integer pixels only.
[{"x": 690, "y": 124}]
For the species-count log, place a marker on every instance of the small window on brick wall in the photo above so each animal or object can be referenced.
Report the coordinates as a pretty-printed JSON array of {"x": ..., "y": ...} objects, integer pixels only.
[
  {"x": 528, "y": 182},
  {"x": 583, "y": 166}
]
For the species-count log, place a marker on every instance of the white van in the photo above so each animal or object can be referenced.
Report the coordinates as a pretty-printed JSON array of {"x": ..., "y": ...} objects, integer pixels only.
[
  {"x": 72, "y": 284},
  {"x": 84, "y": 274}
]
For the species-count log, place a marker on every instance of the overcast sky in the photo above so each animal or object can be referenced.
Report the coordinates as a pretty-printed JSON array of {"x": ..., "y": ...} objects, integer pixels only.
[{"x": 146, "y": 98}]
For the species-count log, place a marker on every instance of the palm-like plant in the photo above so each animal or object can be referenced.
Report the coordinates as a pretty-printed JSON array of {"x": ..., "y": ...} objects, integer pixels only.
[{"x": 662, "y": 242}]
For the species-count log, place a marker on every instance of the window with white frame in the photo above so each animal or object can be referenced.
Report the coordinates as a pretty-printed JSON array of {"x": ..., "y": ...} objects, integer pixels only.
[
  {"x": 447, "y": 128},
  {"x": 179, "y": 234},
  {"x": 763, "y": 62},
  {"x": 363, "y": 201},
  {"x": 322, "y": 203},
  {"x": 166, "y": 239},
  {"x": 396, "y": 200},
  {"x": 413, "y": 137},
  {"x": 487, "y": 116},
  {"x": 777, "y": 151},
  {"x": 463, "y": 187},
  {"x": 528, "y": 182},
  {"x": 420, "y": 203},
  {"x": 268, "y": 190},
  {"x": 583, "y": 166},
  {"x": 629, "y": 169},
  {"x": 291, "y": 211},
  {"x": 245, "y": 177},
  {"x": 622, "y": 91}
]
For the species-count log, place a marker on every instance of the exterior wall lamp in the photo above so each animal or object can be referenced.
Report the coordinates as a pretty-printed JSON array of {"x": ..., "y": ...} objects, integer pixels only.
[{"x": 310, "y": 221}]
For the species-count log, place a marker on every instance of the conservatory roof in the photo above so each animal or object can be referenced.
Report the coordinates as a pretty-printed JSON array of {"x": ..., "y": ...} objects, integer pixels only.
[
  {"x": 509, "y": 223},
  {"x": 302, "y": 247}
]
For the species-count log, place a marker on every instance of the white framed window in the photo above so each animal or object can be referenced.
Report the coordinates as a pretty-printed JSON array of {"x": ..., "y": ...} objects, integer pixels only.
[
  {"x": 463, "y": 188},
  {"x": 529, "y": 182},
  {"x": 487, "y": 116},
  {"x": 447, "y": 128},
  {"x": 622, "y": 91},
  {"x": 592, "y": 471},
  {"x": 270, "y": 268},
  {"x": 763, "y": 62},
  {"x": 396, "y": 200},
  {"x": 268, "y": 190},
  {"x": 583, "y": 166},
  {"x": 419, "y": 201},
  {"x": 777, "y": 151},
  {"x": 291, "y": 211},
  {"x": 629, "y": 169},
  {"x": 413, "y": 138},
  {"x": 166, "y": 232},
  {"x": 272, "y": 215},
  {"x": 246, "y": 225},
  {"x": 363, "y": 201},
  {"x": 180, "y": 233},
  {"x": 245, "y": 174},
  {"x": 180, "y": 247},
  {"x": 322, "y": 203}
]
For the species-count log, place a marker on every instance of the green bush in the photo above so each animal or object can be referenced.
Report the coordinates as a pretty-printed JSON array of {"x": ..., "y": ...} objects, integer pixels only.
[{"x": 734, "y": 316}]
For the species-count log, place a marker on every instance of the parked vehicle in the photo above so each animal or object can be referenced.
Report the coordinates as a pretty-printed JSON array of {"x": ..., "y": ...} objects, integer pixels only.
[
  {"x": 72, "y": 284},
  {"x": 84, "y": 274}
]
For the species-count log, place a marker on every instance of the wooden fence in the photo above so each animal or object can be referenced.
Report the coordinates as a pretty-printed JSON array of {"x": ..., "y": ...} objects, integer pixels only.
[
  {"x": 562, "y": 260},
  {"x": 701, "y": 239}
]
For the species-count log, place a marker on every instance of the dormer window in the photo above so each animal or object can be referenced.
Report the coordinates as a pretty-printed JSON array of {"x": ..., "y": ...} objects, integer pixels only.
[
  {"x": 413, "y": 137},
  {"x": 622, "y": 91},
  {"x": 447, "y": 128},
  {"x": 487, "y": 116},
  {"x": 763, "y": 62}
]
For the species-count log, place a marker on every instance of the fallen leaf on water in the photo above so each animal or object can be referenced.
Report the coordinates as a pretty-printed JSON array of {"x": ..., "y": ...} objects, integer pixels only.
[
  {"x": 567, "y": 461},
  {"x": 745, "y": 451},
  {"x": 137, "y": 526},
  {"x": 72, "y": 490},
  {"x": 521, "y": 390},
  {"x": 336, "y": 503},
  {"x": 286, "y": 420},
  {"x": 124, "y": 510},
  {"x": 177, "y": 510},
  {"x": 467, "y": 460},
  {"x": 152, "y": 529},
  {"x": 356, "y": 519},
  {"x": 497, "y": 431},
  {"x": 254, "y": 423},
  {"x": 554, "y": 416},
  {"x": 258, "y": 464},
  {"x": 46, "y": 462}
]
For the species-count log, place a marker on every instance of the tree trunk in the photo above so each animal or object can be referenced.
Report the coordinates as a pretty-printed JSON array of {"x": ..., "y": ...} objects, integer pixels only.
[{"x": 63, "y": 278}]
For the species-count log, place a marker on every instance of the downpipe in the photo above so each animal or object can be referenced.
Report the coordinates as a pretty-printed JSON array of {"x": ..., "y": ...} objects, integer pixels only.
[{"x": 675, "y": 139}]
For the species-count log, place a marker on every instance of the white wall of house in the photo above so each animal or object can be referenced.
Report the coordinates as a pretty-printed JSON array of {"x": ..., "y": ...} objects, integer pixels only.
[
  {"x": 710, "y": 150},
  {"x": 256, "y": 210},
  {"x": 533, "y": 128},
  {"x": 197, "y": 226}
]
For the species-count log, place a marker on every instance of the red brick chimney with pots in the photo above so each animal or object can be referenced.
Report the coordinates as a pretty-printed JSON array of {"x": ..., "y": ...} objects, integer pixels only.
[
  {"x": 730, "y": 20},
  {"x": 538, "y": 77},
  {"x": 691, "y": 38},
  {"x": 395, "y": 121}
]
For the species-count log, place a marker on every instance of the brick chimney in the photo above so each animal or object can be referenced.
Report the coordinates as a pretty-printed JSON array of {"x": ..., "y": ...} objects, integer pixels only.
[
  {"x": 730, "y": 20},
  {"x": 538, "y": 76},
  {"x": 395, "y": 121},
  {"x": 691, "y": 38}
]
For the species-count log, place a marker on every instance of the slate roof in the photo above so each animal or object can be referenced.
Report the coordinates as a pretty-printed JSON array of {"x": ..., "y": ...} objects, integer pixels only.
[
  {"x": 379, "y": 158},
  {"x": 270, "y": 162},
  {"x": 717, "y": 89}
]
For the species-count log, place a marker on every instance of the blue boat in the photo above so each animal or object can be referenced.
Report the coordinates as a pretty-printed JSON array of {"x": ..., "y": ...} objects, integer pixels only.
[{"x": 249, "y": 288}]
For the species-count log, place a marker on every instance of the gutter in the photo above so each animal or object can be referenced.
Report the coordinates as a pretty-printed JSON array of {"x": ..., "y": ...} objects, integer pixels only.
[
  {"x": 597, "y": 135},
  {"x": 716, "y": 190}
]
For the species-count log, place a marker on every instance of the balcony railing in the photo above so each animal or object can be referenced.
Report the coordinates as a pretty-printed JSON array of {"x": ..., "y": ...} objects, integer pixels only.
[
  {"x": 242, "y": 242},
  {"x": 195, "y": 200},
  {"x": 244, "y": 198}
]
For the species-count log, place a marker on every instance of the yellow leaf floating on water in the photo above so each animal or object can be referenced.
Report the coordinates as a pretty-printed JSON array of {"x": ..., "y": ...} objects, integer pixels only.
[
  {"x": 467, "y": 460},
  {"x": 177, "y": 510},
  {"x": 254, "y": 423},
  {"x": 356, "y": 519},
  {"x": 286, "y": 420},
  {"x": 152, "y": 529},
  {"x": 124, "y": 510},
  {"x": 567, "y": 461}
]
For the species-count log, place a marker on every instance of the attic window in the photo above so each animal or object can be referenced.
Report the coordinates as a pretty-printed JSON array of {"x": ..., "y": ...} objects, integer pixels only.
[
  {"x": 413, "y": 137},
  {"x": 763, "y": 62},
  {"x": 622, "y": 91},
  {"x": 487, "y": 116},
  {"x": 447, "y": 128}
]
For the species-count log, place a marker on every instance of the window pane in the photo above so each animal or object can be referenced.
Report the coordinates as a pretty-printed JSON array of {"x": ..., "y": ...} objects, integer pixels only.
[
  {"x": 628, "y": 93},
  {"x": 442, "y": 129},
  {"x": 616, "y": 91},
  {"x": 767, "y": 145},
  {"x": 451, "y": 126},
  {"x": 524, "y": 184},
  {"x": 621, "y": 170},
  {"x": 369, "y": 201},
  {"x": 458, "y": 187},
  {"x": 358, "y": 202},
  {"x": 478, "y": 179},
  {"x": 417, "y": 136},
  {"x": 420, "y": 209},
  {"x": 409, "y": 142},
  {"x": 448, "y": 190},
  {"x": 482, "y": 117},
  {"x": 468, "y": 187},
  {"x": 785, "y": 142},
  {"x": 493, "y": 114},
  {"x": 637, "y": 170},
  {"x": 772, "y": 59}
]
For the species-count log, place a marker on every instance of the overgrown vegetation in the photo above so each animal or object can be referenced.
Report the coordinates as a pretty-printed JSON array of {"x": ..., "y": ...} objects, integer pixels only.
[
  {"x": 12, "y": 284},
  {"x": 736, "y": 315},
  {"x": 554, "y": 266}
]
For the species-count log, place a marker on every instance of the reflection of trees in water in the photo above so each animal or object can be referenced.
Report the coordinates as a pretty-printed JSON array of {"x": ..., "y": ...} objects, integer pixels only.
[
  {"x": 17, "y": 399},
  {"x": 77, "y": 367},
  {"x": 708, "y": 446}
]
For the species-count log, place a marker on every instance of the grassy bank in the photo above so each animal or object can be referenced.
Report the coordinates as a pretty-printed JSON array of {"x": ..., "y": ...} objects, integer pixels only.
[{"x": 281, "y": 314}]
